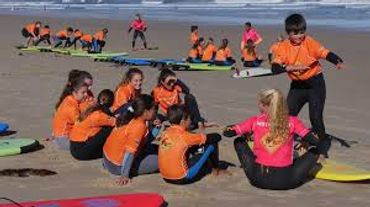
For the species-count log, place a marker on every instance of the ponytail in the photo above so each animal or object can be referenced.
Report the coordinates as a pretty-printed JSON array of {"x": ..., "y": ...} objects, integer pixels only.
[
  {"x": 104, "y": 102},
  {"x": 278, "y": 116},
  {"x": 140, "y": 104}
]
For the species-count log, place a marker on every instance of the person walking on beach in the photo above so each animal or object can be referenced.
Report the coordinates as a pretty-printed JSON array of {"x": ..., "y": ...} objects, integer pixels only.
[
  {"x": 250, "y": 33},
  {"x": 139, "y": 27}
]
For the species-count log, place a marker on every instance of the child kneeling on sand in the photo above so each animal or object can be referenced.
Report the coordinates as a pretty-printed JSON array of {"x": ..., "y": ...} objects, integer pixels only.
[
  {"x": 270, "y": 164},
  {"x": 176, "y": 142}
]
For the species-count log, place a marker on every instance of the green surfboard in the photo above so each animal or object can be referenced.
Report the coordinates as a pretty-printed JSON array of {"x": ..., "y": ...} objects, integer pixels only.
[{"x": 10, "y": 147}]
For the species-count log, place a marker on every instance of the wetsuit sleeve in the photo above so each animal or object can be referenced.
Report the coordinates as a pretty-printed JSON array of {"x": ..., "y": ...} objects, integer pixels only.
[
  {"x": 333, "y": 58},
  {"x": 244, "y": 127},
  {"x": 213, "y": 138},
  {"x": 322, "y": 145},
  {"x": 129, "y": 30},
  {"x": 128, "y": 159},
  {"x": 184, "y": 88},
  {"x": 229, "y": 132},
  {"x": 277, "y": 68}
]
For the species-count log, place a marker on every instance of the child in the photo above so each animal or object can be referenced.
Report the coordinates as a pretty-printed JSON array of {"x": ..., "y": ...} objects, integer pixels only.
[
  {"x": 194, "y": 55},
  {"x": 77, "y": 34},
  {"x": 270, "y": 165},
  {"x": 201, "y": 47},
  {"x": 194, "y": 35},
  {"x": 99, "y": 40},
  {"x": 250, "y": 58},
  {"x": 139, "y": 27},
  {"x": 68, "y": 111},
  {"x": 87, "y": 42},
  {"x": 127, "y": 152},
  {"x": 168, "y": 92},
  {"x": 299, "y": 56},
  {"x": 127, "y": 90},
  {"x": 223, "y": 55},
  {"x": 274, "y": 48},
  {"x": 250, "y": 33},
  {"x": 209, "y": 51},
  {"x": 90, "y": 99},
  {"x": 88, "y": 135},
  {"x": 63, "y": 36},
  {"x": 45, "y": 35},
  {"x": 178, "y": 160},
  {"x": 31, "y": 32}
]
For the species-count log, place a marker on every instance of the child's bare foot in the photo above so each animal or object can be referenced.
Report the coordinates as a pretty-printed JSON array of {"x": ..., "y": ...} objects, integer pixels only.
[{"x": 218, "y": 171}]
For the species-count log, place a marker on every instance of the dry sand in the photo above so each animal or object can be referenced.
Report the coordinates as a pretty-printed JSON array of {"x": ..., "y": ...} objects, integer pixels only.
[{"x": 30, "y": 86}]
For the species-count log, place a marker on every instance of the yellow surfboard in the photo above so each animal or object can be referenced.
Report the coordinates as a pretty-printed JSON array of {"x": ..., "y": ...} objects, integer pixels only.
[
  {"x": 341, "y": 172},
  {"x": 338, "y": 171}
]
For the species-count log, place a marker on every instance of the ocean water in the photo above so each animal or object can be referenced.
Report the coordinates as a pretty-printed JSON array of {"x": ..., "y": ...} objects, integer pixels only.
[{"x": 349, "y": 14}]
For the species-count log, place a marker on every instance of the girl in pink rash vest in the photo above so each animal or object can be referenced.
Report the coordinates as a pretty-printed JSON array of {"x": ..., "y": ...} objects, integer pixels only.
[
  {"x": 270, "y": 164},
  {"x": 139, "y": 27}
]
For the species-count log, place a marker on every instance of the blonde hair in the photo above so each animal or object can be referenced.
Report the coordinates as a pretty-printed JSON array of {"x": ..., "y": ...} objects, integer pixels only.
[{"x": 278, "y": 117}]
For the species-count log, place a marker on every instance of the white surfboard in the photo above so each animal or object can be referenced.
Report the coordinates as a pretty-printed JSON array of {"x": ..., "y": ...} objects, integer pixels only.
[{"x": 252, "y": 72}]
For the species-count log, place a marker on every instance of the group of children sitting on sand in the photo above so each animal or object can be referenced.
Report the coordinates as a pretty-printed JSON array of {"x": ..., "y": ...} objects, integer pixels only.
[
  {"x": 36, "y": 33},
  {"x": 203, "y": 51},
  {"x": 124, "y": 127}
]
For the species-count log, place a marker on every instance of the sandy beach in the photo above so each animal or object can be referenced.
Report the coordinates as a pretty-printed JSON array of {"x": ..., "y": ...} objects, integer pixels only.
[{"x": 31, "y": 83}]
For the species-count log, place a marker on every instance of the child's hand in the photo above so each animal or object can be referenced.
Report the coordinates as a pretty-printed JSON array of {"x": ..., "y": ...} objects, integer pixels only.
[
  {"x": 123, "y": 181},
  {"x": 340, "y": 66}
]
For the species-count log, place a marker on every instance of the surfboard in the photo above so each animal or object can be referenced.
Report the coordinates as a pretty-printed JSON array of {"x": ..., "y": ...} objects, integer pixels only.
[
  {"x": 200, "y": 67},
  {"x": 128, "y": 200},
  {"x": 138, "y": 61},
  {"x": 35, "y": 49},
  {"x": 10, "y": 147},
  {"x": 252, "y": 72},
  {"x": 341, "y": 172},
  {"x": 3, "y": 127},
  {"x": 79, "y": 53}
]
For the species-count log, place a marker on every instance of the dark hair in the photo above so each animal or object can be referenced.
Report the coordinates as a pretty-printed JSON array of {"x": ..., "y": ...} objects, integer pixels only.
[
  {"x": 75, "y": 74},
  {"x": 47, "y": 26},
  {"x": 201, "y": 39},
  {"x": 85, "y": 75},
  {"x": 139, "y": 105},
  {"x": 105, "y": 30},
  {"x": 250, "y": 46},
  {"x": 193, "y": 28},
  {"x": 249, "y": 24},
  {"x": 224, "y": 44},
  {"x": 129, "y": 75},
  {"x": 69, "y": 29},
  {"x": 104, "y": 102},
  {"x": 165, "y": 73},
  {"x": 210, "y": 39},
  {"x": 74, "y": 85},
  {"x": 176, "y": 113},
  {"x": 38, "y": 22},
  {"x": 77, "y": 30},
  {"x": 295, "y": 23}
]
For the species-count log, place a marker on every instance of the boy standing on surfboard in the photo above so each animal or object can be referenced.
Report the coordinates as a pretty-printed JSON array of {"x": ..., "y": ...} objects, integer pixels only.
[{"x": 299, "y": 56}]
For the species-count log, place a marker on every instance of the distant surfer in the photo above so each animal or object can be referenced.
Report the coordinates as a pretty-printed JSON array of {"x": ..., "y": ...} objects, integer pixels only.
[{"x": 139, "y": 27}]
